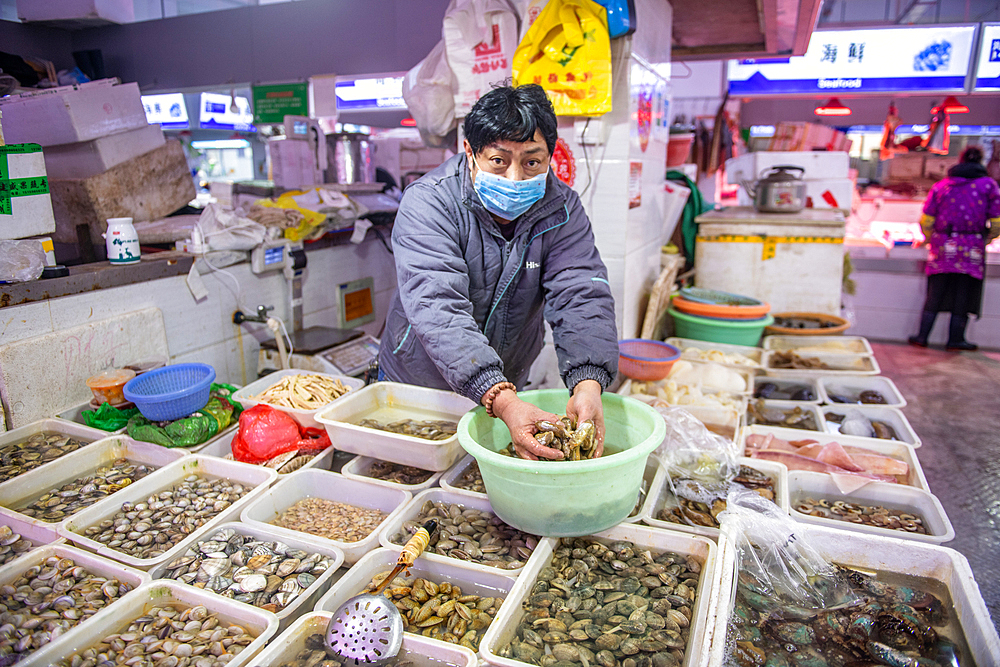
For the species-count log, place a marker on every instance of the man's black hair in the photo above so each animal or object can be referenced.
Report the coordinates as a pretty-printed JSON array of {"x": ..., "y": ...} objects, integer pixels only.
[{"x": 511, "y": 114}]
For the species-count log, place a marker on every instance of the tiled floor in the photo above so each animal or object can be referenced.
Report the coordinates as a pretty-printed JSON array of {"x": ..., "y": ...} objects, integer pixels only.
[{"x": 953, "y": 403}]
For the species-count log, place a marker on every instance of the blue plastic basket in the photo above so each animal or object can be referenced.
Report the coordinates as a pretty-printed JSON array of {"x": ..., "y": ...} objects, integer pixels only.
[{"x": 171, "y": 392}]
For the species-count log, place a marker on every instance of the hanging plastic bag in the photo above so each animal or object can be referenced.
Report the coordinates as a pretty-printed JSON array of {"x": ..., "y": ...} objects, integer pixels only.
[
  {"x": 225, "y": 230},
  {"x": 265, "y": 433},
  {"x": 428, "y": 90},
  {"x": 567, "y": 51},
  {"x": 21, "y": 261},
  {"x": 480, "y": 37},
  {"x": 311, "y": 220}
]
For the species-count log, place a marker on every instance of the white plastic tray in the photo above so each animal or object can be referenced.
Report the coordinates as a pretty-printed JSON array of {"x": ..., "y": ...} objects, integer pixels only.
[
  {"x": 891, "y": 416},
  {"x": 438, "y": 455},
  {"x": 754, "y": 354},
  {"x": 72, "y": 466},
  {"x": 504, "y": 627},
  {"x": 93, "y": 564},
  {"x": 75, "y": 415},
  {"x": 840, "y": 364},
  {"x": 782, "y": 383},
  {"x": 255, "y": 476},
  {"x": 786, "y": 406},
  {"x": 706, "y": 413},
  {"x": 819, "y": 344},
  {"x": 652, "y": 477},
  {"x": 262, "y": 624},
  {"x": 450, "y": 478},
  {"x": 412, "y": 510},
  {"x": 852, "y": 386},
  {"x": 306, "y": 418},
  {"x": 52, "y": 425},
  {"x": 306, "y": 598},
  {"x": 875, "y": 552},
  {"x": 897, "y": 450},
  {"x": 358, "y": 467},
  {"x": 660, "y": 494},
  {"x": 417, "y": 649},
  {"x": 38, "y": 535},
  {"x": 802, "y": 484},
  {"x": 222, "y": 446},
  {"x": 369, "y": 493}
]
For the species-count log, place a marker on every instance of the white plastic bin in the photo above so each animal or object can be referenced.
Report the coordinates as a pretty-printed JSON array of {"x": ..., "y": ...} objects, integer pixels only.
[
  {"x": 405, "y": 401},
  {"x": 886, "y": 554},
  {"x": 661, "y": 494},
  {"x": 306, "y": 598},
  {"x": 454, "y": 475},
  {"x": 789, "y": 406},
  {"x": 652, "y": 477},
  {"x": 16, "y": 493},
  {"x": 850, "y": 387},
  {"x": 53, "y": 425},
  {"x": 808, "y": 345},
  {"x": 306, "y": 418},
  {"x": 891, "y": 416},
  {"x": 897, "y": 450},
  {"x": 416, "y": 649},
  {"x": 753, "y": 354},
  {"x": 262, "y": 624},
  {"x": 253, "y": 476},
  {"x": 222, "y": 447},
  {"x": 358, "y": 467},
  {"x": 75, "y": 415},
  {"x": 503, "y": 629},
  {"x": 839, "y": 364},
  {"x": 37, "y": 536},
  {"x": 370, "y": 494},
  {"x": 412, "y": 510},
  {"x": 802, "y": 484},
  {"x": 785, "y": 384}
]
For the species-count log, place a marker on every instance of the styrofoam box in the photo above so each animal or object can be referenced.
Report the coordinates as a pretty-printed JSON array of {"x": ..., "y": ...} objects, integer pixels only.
[
  {"x": 504, "y": 627},
  {"x": 306, "y": 598},
  {"x": 891, "y": 416},
  {"x": 817, "y": 164},
  {"x": 787, "y": 406},
  {"x": 819, "y": 344},
  {"x": 783, "y": 384},
  {"x": 222, "y": 447},
  {"x": 53, "y": 425},
  {"x": 754, "y": 354},
  {"x": 17, "y": 492},
  {"x": 369, "y": 493},
  {"x": 416, "y": 649},
  {"x": 162, "y": 593},
  {"x": 30, "y": 214},
  {"x": 249, "y": 475},
  {"x": 71, "y": 114},
  {"x": 887, "y": 554},
  {"x": 357, "y": 468},
  {"x": 412, "y": 510},
  {"x": 652, "y": 476},
  {"x": 94, "y": 565},
  {"x": 661, "y": 493},
  {"x": 341, "y": 420},
  {"x": 840, "y": 364},
  {"x": 75, "y": 415},
  {"x": 305, "y": 418},
  {"x": 450, "y": 478},
  {"x": 850, "y": 387},
  {"x": 892, "y": 448},
  {"x": 803, "y": 484},
  {"x": 470, "y": 580},
  {"x": 90, "y": 158}
]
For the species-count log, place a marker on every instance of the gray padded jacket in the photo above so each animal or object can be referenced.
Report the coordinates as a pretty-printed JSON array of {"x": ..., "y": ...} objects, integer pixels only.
[{"x": 468, "y": 311}]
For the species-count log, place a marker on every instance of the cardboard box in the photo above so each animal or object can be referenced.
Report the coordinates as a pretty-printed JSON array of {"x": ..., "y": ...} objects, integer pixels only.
[
  {"x": 71, "y": 114},
  {"x": 25, "y": 204},
  {"x": 145, "y": 188},
  {"x": 90, "y": 158},
  {"x": 818, "y": 164}
]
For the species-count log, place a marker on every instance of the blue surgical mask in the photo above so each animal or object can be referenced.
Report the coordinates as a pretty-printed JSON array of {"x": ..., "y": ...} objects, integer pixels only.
[{"x": 506, "y": 198}]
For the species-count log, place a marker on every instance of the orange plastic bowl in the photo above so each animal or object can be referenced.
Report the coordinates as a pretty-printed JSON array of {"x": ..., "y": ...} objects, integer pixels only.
[
  {"x": 720, "y": 310},
  {"x": 646, "y": 360}
]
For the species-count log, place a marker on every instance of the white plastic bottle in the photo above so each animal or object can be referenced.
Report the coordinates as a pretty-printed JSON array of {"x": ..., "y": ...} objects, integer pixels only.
[{"x": 122, "y": 241}]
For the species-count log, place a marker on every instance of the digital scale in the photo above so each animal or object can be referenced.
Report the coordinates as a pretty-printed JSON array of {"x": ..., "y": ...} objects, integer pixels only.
[{"x": 324, "y": 350}]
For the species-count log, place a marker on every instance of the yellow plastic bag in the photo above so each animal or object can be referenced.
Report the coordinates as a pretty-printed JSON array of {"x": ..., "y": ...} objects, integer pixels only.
[
  {"x": 567, "y": 51},
  {"x": 310, "y": 219}
]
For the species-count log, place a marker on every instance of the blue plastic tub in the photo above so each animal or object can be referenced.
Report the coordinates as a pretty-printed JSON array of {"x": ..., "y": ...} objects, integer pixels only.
[{"x": 171, "y": 392}]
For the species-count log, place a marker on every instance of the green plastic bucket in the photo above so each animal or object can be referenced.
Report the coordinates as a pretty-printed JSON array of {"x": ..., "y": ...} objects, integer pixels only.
[
  {"x": 565, "y": 498},
  {"x": 736, "y": 332}
]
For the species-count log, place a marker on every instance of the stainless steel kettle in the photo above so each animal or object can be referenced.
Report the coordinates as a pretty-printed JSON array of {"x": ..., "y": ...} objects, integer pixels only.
[{"x": 778, "y": 190}]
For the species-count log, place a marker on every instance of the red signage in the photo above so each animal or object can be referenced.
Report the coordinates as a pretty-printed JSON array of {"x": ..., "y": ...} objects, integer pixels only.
[{"x": 563, "y": 163}]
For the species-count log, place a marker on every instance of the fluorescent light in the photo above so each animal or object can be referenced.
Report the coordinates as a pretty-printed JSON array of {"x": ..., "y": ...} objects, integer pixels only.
[{"x": 220, "y": 143}]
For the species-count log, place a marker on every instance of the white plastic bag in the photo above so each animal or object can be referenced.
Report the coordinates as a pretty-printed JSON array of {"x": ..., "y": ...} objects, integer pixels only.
[
  {"x": 225, "y": 230},
  {"x": 429, "y": 92},
  {"x": 21, "y": 261},
  {"x": 480, "y": 38}
]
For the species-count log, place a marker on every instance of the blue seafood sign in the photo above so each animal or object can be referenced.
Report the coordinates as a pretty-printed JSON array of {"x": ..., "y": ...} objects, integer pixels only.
[{"x": 988, "y": 72}]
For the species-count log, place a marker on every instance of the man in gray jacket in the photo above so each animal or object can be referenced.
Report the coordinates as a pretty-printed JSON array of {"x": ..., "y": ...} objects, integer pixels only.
[{"x": 485, "y": 246}]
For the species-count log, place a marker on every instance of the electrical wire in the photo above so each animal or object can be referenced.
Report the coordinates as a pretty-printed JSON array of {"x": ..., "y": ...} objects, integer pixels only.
[{"x": 586, "y": 158}]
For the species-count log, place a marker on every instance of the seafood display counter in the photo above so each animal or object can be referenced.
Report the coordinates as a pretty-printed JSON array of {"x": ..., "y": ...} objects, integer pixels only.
[{"x": 245, "y": 564}]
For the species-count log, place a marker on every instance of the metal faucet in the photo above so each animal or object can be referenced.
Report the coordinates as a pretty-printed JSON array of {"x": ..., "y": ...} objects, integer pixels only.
[{"x": 239, "y": 317}]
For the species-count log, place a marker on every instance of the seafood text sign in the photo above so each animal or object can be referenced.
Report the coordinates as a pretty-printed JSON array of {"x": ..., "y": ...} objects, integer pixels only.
[{"x": 886, "y": 60}]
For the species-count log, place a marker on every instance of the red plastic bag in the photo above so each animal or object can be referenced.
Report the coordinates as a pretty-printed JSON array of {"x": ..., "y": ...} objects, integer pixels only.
[{"x": 265, "y": 433}]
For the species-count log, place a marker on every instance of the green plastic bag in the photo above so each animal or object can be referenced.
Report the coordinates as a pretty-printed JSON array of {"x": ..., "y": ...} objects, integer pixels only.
[
  {"x": 109, "y": 418},
  {"x": 194, "y": 429}
]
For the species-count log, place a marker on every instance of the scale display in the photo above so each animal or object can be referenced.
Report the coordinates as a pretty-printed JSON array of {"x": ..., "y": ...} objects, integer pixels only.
[{"x": 354, "y": 357}]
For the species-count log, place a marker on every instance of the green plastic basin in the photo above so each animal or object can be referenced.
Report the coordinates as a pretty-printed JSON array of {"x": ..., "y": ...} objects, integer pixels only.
[
  {"x": 736, "y": 332},
  {"x": 565, "y": 498}
]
